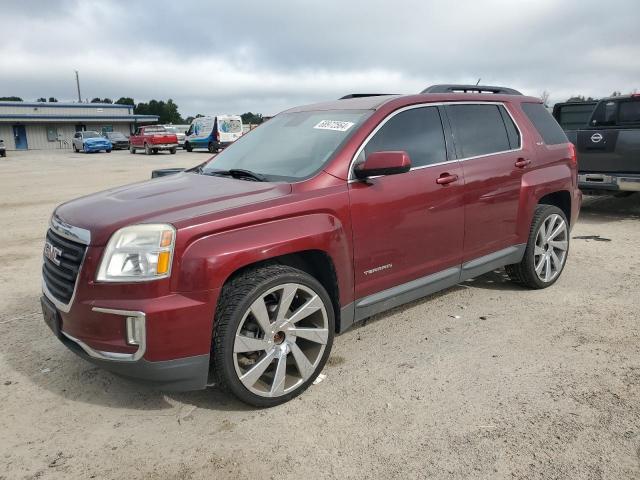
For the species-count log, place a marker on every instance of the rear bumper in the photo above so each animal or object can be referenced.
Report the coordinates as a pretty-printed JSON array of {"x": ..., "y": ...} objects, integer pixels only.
[
  {"x": 609, "y": 181},
  {"x": 163, "y": 146}
]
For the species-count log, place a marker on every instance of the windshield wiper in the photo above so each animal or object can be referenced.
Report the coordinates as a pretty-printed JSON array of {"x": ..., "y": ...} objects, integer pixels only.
[{"x": 239, "y": 173}]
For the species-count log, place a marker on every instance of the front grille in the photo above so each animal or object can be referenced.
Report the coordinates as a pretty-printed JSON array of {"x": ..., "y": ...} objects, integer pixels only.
[{"x": 61, "y": 279}]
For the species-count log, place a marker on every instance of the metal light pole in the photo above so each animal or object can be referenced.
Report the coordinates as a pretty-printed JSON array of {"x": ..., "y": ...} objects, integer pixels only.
[{"x": 78, "y": 85}]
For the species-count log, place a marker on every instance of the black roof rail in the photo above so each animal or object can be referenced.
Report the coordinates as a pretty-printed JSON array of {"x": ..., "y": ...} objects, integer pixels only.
[
  {"x": 451, "y": 88},
  {"x": 360, "y": 95}
]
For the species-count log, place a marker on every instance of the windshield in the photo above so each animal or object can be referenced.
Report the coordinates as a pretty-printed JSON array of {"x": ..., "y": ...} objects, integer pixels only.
[
  {"x": 90, "y": 134},
  {"x": 116, "y": 136},
  {"x": 290, "y": 146}
]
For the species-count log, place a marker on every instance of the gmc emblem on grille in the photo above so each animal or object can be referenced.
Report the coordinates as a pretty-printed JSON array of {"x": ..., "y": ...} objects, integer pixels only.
[{"x": 52, "y": 253}]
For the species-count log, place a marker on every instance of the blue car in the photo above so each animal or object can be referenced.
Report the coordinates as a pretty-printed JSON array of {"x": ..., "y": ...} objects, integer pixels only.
[{"x": 89, "y": 141}]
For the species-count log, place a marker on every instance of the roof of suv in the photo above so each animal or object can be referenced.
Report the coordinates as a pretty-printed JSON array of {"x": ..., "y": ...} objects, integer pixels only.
[{"x": 375, "y": 102}]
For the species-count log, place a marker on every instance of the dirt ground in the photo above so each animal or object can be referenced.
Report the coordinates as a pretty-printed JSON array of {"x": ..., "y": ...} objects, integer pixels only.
[{"x": 485, "y": 380}]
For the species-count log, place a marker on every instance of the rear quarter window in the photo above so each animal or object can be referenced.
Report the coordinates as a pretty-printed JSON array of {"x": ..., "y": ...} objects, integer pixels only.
[{"x": 551, "y": 132}]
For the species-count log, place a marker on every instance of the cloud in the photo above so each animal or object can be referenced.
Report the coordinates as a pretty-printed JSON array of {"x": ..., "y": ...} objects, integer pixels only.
[{"x": 267, "y": 56}]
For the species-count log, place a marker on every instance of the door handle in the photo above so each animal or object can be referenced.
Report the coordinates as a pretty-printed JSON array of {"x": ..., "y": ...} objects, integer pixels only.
[
  {"x": 446, "y": 178},
  {"x": 522, "y": 162}
]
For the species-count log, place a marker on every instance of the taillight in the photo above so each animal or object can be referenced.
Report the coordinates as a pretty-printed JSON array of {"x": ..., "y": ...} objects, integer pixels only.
[{"x": 573, "y": 154}]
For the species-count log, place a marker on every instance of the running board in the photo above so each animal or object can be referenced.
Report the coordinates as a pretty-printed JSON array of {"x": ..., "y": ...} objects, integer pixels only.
[{"x": 423, "y": 286}]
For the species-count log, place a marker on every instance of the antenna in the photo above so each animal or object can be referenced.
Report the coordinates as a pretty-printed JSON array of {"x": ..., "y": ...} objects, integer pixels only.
[
  {"x": 477, "y": 83},
  {"x": 78, "y": 85}
]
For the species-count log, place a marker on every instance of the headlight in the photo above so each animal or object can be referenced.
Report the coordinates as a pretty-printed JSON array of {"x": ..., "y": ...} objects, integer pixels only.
[{"x": 138, "y": 253}]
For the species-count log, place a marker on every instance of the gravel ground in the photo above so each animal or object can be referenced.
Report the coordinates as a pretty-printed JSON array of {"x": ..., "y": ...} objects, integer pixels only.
[{"x": 484, "y": 380}]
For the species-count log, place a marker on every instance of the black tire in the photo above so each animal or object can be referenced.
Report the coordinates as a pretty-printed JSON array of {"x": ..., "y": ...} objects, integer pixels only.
[
  {"x": 236, "y": 298},
  {"x": 75, "y": 149},
  {"x": 187, "y": 147},
  {"x": 173, "y": 151},
  {"x": 155, "y": 151},
  {"x": 108, "y": 151},
  {"x": 524, "y": 273},
  {"x": 132, "y": 150},
  {"x": 212, "y": 148}
]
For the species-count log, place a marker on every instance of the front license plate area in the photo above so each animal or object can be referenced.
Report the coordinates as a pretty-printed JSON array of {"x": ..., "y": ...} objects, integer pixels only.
[{"x": 51, "y": 316}]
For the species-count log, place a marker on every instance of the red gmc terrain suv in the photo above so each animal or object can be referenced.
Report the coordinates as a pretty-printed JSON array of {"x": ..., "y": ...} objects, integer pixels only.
[{"x": 240, "y": 271}]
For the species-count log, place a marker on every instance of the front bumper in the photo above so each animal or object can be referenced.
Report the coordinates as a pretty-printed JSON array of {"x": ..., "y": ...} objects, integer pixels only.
[
  {"x": 180, "y": 374},
  {"x": 609, "y": 181},
  {"x": 96, "y": 148}
]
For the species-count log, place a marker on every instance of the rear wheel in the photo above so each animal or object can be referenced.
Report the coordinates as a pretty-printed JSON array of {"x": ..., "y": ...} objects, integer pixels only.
[
  {"x": 75, "y": 149},
  {"x": 173, "y": 151},
  {"x": 273, "y": 334},
  {"x": 187, "y": 147},
  {"x": 547, "y": 249},
  {"x": 108, "y": 151},
  {"x": 211, "y": 147},
  {"x": 132, "y": 150}
]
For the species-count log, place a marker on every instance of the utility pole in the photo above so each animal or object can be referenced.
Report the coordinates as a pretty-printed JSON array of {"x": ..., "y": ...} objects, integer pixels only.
[{"x": 78, "y": 85}]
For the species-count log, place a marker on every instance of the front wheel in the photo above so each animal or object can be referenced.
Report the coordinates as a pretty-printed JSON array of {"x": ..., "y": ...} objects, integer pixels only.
[
  {"x": 132, "y": 150},
  {"x": 173, "y": 151},
  {"x": 75, "y": 149},
  {"x": 211, "y": 147},
  {"x": 108, "y": 151},
  {"x": 546, "y": 251},
  {"x": 273, "y": 334},
  {"x": 187, "y": 147}
]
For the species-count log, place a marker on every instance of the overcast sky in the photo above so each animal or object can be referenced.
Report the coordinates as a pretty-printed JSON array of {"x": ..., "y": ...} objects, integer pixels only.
[{"x": 265, "y": 56}]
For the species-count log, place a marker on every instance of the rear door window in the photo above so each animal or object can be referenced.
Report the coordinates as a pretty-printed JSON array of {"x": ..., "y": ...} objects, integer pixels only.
[
  {"x": 417, "y": 131},
  {"x": 479, "y": 130},
  {"x": 551, "y": 132}
]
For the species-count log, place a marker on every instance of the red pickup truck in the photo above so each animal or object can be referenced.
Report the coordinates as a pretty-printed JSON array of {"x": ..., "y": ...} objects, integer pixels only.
[
  {"x": 241, "y": 270},
  {"x": 152, "y": 139}
]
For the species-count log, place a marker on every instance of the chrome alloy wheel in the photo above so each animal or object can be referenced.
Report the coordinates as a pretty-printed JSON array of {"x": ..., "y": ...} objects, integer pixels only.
[
  {"x": 280, "y": 340},
  {"x": 550, "y": 252}
]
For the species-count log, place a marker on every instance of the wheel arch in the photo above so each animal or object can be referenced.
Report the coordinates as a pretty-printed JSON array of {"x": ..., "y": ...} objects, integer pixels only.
[
  {"x": 560, "y": 199},
  {"x": 316, "y": 244}
]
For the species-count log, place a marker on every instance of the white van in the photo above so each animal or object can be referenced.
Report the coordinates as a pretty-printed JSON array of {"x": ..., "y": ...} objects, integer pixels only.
[{"x": 213, "y": 132}]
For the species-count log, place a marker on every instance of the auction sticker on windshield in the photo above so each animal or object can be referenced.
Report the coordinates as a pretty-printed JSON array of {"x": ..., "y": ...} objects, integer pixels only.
[{"x": 336, "y": 125}]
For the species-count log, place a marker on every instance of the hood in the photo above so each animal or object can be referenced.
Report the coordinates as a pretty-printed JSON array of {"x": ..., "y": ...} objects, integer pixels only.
[
  {"x": 163, "y": 200},
  {"x": 96, "y": 140}
]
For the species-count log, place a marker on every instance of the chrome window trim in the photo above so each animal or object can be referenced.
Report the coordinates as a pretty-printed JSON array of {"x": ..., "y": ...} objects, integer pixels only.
[
  {"x": 116, "y": 356},
  {"x": 351, "y": 177},
  {"x": 70, "y": 232}
]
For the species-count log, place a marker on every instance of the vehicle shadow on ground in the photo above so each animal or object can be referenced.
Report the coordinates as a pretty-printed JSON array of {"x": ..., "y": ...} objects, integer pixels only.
[
  {"x": 604, "y": 209},
  {"x": 38, "y": 357}
]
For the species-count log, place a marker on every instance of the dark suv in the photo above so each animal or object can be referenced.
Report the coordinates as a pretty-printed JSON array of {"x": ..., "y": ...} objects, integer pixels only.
[{"x": 240, "y": 271}]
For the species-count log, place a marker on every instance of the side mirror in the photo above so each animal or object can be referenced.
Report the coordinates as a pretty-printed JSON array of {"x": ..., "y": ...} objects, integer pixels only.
[{"x": 383, "y": 163}]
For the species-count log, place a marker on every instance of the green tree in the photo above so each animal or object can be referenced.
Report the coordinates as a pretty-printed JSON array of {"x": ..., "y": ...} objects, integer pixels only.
[
  {"x": 252, "y": 118},
  {"x": 125, "y": 101},
  {"x": 96, "y": 100},
  {"x": 167, "y": 112},
  {"x": 10, "y": 99},
  {"x": 41, "y": 99},
  {"x": 53, "y": 100}
]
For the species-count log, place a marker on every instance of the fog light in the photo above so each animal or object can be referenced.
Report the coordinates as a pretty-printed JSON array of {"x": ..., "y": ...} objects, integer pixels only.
[{"x": 135, "y": 330}]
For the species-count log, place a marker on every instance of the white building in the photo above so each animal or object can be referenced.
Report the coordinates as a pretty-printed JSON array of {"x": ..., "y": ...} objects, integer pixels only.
[{"x": 52, "y": 125}]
